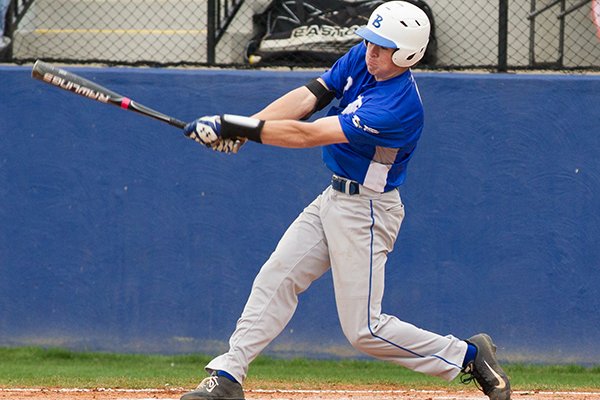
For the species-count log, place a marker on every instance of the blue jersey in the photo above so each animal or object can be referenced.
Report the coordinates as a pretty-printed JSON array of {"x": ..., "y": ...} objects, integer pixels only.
[{"x": 382, "y": 121}]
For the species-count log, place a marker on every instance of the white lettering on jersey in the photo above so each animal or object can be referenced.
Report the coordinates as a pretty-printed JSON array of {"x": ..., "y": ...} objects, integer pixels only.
[
  {"x": 349, "y": 83},
  {"x": 352, "y": 107},
  {"x": 370, "y": 130}
]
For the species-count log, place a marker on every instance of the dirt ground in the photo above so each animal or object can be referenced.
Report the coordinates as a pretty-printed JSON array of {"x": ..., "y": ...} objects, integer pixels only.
[{"x": 174, "y": 394}]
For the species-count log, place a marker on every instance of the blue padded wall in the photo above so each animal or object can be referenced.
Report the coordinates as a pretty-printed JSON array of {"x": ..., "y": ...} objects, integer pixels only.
[{"x": 117, "y": 233}]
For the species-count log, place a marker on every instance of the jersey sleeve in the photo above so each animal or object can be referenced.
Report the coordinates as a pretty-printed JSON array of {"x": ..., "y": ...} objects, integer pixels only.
[{"x": 376, "y": 127}]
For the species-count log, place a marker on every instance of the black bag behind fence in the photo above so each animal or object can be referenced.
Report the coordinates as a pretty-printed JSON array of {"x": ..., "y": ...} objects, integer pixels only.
[{"x": 316, "y": 32}]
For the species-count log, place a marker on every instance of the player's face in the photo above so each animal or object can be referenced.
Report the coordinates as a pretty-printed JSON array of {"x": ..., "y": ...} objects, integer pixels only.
[{"x": 379, "y": 62}]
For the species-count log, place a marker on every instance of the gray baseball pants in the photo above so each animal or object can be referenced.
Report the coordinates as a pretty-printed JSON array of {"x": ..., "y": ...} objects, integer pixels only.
[{"x": 352, "y": 235}]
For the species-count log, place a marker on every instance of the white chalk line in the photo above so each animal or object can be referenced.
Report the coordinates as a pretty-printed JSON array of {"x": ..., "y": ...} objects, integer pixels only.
[{"x": 288, "y": 391}]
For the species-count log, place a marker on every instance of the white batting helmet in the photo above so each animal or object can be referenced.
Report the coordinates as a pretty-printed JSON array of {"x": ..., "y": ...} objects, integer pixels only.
[{"x": 398, "y": 25}]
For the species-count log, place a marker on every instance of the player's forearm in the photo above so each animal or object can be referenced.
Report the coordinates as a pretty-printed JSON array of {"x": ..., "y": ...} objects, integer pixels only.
[
  {"x": 282, "y": 133},
  {"x": 294, "y": 105},
  {"x": 287, "y": 133},
  {"x": 295, "y": 134}
]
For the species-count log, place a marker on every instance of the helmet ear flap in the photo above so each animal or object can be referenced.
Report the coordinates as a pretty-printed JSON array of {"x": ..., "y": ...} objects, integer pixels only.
[
  {"x": 396, "y": 58},
  {"x": 404, "y": 58}
]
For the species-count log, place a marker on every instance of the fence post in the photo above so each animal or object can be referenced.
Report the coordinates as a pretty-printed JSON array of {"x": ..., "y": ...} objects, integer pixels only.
[
  {"x": 7, "y": 54},
  {"x": 211, "y": 29},
  {"x": 503, "y": 36}
]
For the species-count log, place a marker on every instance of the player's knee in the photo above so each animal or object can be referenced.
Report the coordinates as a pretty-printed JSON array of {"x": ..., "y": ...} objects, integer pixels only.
[{"x": 361, "y": 340}]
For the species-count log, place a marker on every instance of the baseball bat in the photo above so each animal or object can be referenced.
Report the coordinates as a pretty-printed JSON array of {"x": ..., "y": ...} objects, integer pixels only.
[{"x": 76, "y": 84}]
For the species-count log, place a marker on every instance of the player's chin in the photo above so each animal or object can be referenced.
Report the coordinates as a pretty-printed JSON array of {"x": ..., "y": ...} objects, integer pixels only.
[{"x": 372, "y": 68}]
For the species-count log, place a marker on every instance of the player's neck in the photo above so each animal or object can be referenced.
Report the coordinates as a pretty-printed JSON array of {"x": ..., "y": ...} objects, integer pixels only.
[{"x": 391, "y": 74}]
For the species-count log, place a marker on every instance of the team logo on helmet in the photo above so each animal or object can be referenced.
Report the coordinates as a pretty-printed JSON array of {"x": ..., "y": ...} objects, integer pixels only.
[{"x": 377, "y": 21}]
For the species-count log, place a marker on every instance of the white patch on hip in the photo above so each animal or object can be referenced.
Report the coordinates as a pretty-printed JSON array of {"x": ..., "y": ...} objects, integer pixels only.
[{"x": 380, "y": 166}]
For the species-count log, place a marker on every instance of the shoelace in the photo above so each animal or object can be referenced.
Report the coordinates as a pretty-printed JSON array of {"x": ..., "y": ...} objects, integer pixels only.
[
  {"x": 467, "y": 377},
  {"x": 209, "y": 383}
]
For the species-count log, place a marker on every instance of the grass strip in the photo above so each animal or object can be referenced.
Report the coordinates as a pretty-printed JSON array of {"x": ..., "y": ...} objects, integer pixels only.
[{"x": 53, "y": 367}]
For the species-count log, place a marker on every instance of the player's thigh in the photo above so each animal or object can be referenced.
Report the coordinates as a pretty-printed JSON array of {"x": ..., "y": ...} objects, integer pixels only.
[
  {"x": 360, "y": 232},
  {"x": 301, "y": 256}
]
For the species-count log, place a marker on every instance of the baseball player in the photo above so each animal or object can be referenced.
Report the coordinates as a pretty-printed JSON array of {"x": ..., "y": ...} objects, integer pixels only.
[{"x": 367, "y": 142}]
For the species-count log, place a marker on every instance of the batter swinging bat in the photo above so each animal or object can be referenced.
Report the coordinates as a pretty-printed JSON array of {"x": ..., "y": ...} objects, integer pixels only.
[{"x": 69, "y": 81}]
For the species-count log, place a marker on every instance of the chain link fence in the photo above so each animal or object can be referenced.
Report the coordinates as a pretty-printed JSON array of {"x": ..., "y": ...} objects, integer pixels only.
[{"x": 497, "y": 35}]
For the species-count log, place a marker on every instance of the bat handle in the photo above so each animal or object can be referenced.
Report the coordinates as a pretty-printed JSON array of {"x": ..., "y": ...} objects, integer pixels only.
[{"x": 175, "y": 122}]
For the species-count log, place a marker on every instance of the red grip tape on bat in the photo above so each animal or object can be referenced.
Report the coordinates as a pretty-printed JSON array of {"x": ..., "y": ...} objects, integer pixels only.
[{"x": 125, "y": 103}]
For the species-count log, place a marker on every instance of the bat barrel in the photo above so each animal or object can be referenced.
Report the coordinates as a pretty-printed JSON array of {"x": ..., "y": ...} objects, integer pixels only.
[{"x": 76, "y": 84}]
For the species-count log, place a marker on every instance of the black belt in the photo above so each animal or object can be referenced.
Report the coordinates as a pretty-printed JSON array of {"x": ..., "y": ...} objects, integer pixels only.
[{"x": 345, "y": 185}]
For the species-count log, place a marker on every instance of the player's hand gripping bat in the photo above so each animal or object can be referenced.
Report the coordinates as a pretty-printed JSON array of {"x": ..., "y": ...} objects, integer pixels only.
[{"x": 69, "y": 81}]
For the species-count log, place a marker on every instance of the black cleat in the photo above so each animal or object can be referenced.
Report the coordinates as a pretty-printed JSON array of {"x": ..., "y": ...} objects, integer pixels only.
[
  {"x": 216, "y": 388},
  {"x": 485, "y": 369}
]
